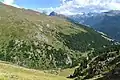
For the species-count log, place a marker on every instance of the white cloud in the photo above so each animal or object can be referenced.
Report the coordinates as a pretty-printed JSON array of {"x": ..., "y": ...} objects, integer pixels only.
[
  {"x": 115, "y": 6},
  {"x": 46, "y": 10},
  {"x": 78, "y": 6},
  {"x": 70, "y": 7},
  {"x": 10, "y": 2}
]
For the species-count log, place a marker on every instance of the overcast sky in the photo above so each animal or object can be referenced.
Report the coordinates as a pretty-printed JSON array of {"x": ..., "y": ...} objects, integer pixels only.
[{"x": 67, "y": 7}]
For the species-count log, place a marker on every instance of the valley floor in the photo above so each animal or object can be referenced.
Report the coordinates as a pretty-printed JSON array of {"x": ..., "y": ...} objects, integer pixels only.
[{"x": 12, "y": 72}]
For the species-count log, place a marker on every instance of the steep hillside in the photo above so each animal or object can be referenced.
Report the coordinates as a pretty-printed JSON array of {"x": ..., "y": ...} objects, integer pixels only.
[
  {"x": 12, "y": 72},
  {"x": 34, "y": 40},
  {"x": 103, "y": 64}
]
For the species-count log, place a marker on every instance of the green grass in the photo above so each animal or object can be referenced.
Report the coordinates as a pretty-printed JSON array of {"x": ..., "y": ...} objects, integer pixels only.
[{"x": 12, "y": 72}]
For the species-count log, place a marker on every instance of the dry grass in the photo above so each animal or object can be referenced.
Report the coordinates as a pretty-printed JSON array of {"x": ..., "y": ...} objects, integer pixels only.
[{"x": 12, "y": 72}]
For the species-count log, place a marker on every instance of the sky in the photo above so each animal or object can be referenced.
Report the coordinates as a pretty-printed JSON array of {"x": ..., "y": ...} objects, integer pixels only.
[{"x": 67, "y": 7}]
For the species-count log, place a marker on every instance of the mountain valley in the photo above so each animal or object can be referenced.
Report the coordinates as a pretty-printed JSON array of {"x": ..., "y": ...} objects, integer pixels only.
[
  {"x": 53, "y": 48},
  {"x": 106, "y": 22}
]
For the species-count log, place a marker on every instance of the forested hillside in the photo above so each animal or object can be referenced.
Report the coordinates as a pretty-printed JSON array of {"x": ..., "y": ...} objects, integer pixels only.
[
  {"x": 34, "y": 40},
  {"x": 102, "y": 64}
]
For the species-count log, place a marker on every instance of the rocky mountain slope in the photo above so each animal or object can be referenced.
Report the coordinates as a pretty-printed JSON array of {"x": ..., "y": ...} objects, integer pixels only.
[
  {"x": 102, "y": 64},
  {"x": 107, "y": 22},
  {"x": 34, "y": 40}
]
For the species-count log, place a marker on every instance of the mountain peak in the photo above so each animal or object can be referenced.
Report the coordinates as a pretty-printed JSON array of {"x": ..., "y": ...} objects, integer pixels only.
[{"x": 53, "y": 13}]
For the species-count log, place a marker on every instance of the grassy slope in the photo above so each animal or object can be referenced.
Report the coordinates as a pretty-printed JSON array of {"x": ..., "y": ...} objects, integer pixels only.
[
  {"x": 66, "y": 72},
  {"x": 11, "y": 72},
  {"x": 34, "y": 40}
]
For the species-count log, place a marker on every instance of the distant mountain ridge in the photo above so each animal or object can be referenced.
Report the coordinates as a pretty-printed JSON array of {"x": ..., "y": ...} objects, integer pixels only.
[{"x": 107, "y": 22}]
